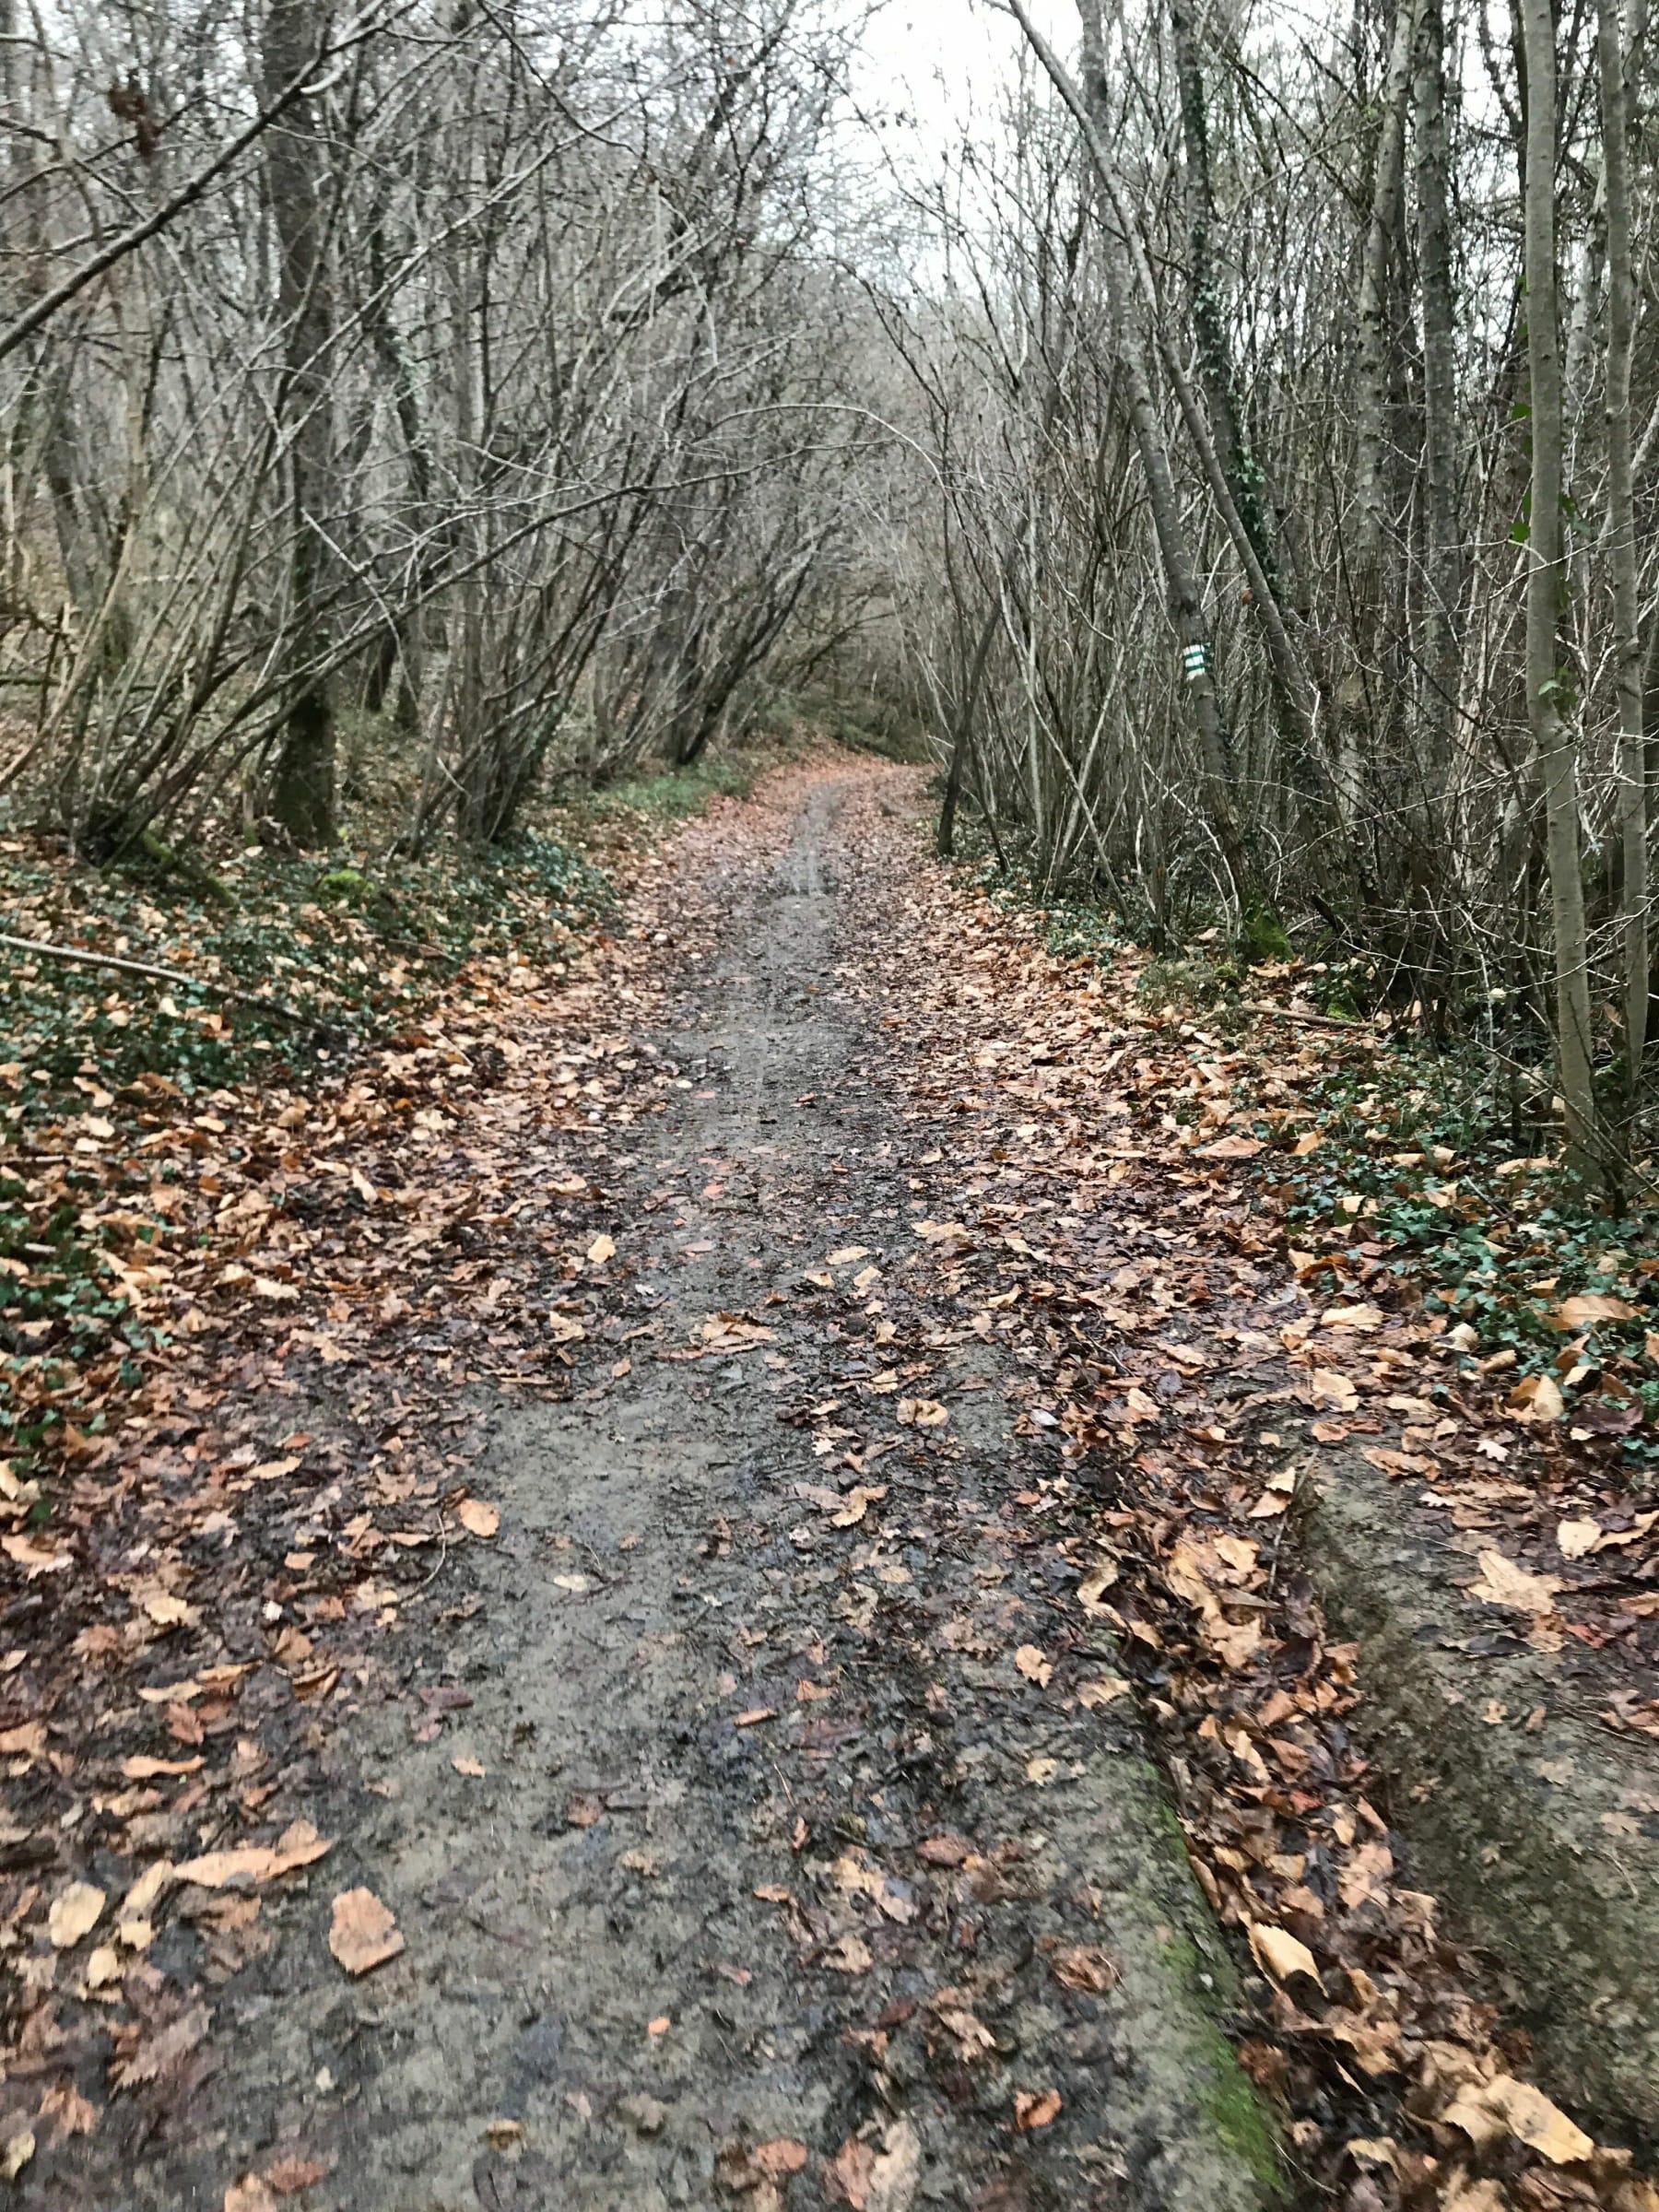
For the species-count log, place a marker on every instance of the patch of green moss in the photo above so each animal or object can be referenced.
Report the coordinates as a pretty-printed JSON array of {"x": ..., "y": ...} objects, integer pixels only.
[
  {"x": 1239, "y": 2117},
  {"x": 1227, "y": 2100}
]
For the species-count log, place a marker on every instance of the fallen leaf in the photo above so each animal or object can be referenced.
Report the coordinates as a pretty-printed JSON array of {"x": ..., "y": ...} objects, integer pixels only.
[
  {"x": 477, "y": 1518},
  {"x": 299, "y": 1845},
  {"x": 1036, "y": 2110},
  {"x": 141, "y": 1768},
  {"x": 783, "y": 2154},
  {"x": 1085, "y": 1965},
  {"x": 1486, "y": 2110},
  {"x": 1591, "y": 1306},
  {"x": 1537, "y": 1398},
  {"x": 922, "y": 1413},
  {"x": 1363, "y": 1318},
  {"x": 34, "y": 1558},
  {"x": 74, "y": 1912},
  {"x": 1501, "y": 1583},
  {"x": 1279, "y": 1953},
  {"x": 1105, "y": 1690},
  {"x": 946, "y": 1849},
  {"x": 469, "y": 1767},
  {"x": 1034, "y": 1665},
  {"x": 1574, "y": 1538},
  {"x": 1334, "y": 1389},
  {"x": 103, "y": 1967},
  {"x": 364, "y": 1933},
  {"x": 847, "y": 1955},
  {"x": 851, "y": 1510},
  {"x": 600, "y": 1250},
  {"x": 1095, "y": 1585},
  {"x": 141, "y": 1897}
]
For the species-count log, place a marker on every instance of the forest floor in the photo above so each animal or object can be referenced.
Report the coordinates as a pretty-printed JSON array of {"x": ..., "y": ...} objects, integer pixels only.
[{"x": 714, "y": 1607}]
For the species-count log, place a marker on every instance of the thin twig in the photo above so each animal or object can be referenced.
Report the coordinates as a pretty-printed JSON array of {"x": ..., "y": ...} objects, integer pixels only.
[{"x": 168, "y": 975}]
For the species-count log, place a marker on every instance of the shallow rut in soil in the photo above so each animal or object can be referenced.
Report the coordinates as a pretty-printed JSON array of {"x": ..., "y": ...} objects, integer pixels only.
[{"x": 781, "y": 1884}]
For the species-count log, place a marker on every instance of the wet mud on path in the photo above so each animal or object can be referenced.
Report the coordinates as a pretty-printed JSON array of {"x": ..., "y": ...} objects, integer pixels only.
[{"x": 764, "y": 1823}]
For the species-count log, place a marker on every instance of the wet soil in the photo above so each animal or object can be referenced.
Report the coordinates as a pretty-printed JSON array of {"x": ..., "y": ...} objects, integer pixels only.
[{"x": 781, "y": 1881}]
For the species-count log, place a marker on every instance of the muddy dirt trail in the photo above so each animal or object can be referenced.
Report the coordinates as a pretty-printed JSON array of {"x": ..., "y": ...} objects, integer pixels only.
[{"x": 737, "y": 1859}]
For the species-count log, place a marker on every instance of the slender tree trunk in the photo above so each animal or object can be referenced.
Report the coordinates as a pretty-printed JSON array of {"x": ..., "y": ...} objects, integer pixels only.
[
  {"x": 1621, "y": 532},
  {"x": 1554, "y": 732},
  {"x": 1442, "y": 656},
  {"x": 302, "y": 796},
  {"x": 1366, "y": 691},
  {"x": 1242, "y": 471}
]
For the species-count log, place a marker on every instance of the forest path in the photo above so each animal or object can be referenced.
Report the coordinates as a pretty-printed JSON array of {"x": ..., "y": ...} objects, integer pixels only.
[{"x": 782, "y": 1883}]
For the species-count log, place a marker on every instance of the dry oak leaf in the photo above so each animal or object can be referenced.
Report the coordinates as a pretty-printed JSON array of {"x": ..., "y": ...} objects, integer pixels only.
[
  {"x": 1279, "y": 1953},
  {"x": 1501, "y": 1583},
  {"x": 471, "y": 1767},
  {"x": 1353, "y": 1317},
  {"x": 291, "y": 2174},
  {"x": 1333, "y": 1389},
  {"x": 847, "y": 1955},
  {"x": 1034, "y": 1665},
  {"x": 1585, "y": 1311},
  {"x": 477, "y": 1518},
  {"x": 849, "y": 1512},
  {"x": 74, "y": 1912},
  {"x": 299, "y": 1845},
  {"x": 1487, "y": 2110},
  {"x": 921, "y": 1413},
  {"x": 1085, "y": 1965},
  {"x": 34, "y": 1558},
  {"x": 1574, "y": 1538},
  {"x": 1036, "y": 2110},
  {"x": 1104, "y": 1691},
  {"x": 364, "y": 1933},
  {"x": 600, "y": 1250},
  {"x": 1537, "y": 1398}
]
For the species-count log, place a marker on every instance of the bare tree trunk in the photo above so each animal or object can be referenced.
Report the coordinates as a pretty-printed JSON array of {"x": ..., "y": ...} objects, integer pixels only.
[
  {"x": 302, "y": 796},
  {"x": 1621, "y": 532},
  {"x": 1365, "y": 691},
  {"x": 1554, "y": 732},
  {"x": 1443, "y": 624}
]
